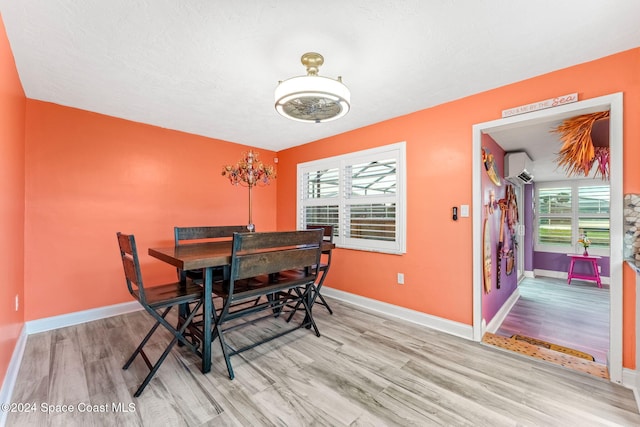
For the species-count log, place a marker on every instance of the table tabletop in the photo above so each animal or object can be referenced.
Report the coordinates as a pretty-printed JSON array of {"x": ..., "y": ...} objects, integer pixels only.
[
  {"x": 581, "y": 256},
  {"x": 194, "y": 256}
]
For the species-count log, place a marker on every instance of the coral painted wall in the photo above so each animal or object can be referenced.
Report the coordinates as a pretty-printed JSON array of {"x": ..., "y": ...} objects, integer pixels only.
[
  {"x": 437, "y": 265},
  {"x": 12, "y": 111},
  {"x": 89, "y": 176}
]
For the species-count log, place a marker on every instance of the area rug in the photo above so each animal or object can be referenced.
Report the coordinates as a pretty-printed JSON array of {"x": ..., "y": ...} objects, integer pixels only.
[
  {"x": 554, "y": 347},
  {"x": 540, "y": 352}
]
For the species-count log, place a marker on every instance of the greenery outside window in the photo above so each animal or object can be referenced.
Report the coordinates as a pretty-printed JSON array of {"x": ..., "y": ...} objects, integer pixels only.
[
  {"x": 361, "y": 194},
  {"x": 568, "y": 209}
]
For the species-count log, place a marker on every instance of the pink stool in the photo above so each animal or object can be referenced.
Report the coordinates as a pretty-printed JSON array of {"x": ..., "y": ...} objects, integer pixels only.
[{"x": 593, "y": 260}]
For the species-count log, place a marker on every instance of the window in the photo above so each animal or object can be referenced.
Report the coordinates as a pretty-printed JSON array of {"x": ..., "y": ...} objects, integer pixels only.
[
  {"x": 361, "y": 194},
  {"x": 568, "y": 209}
]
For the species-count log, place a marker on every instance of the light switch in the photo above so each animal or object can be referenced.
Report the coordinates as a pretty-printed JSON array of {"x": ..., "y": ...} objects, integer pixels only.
[{"x": 464, "y": 210}]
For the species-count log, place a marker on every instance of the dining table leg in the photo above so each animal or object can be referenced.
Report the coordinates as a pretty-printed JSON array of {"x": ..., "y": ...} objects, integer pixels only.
[{"x": 206, "y": 321}]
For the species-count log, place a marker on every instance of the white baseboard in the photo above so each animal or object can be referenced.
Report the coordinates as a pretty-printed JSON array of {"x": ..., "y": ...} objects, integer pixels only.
[
  {"x": 433, "y": 322},
  {"x": 499, "y": 317},
  {"x": 563, "y": 275},
  {"x": 530, "y": 274},
  {"x": 70, "y": 319},
  {"x": 12, "y": 373},
  {"x": 629, "y": 380}
]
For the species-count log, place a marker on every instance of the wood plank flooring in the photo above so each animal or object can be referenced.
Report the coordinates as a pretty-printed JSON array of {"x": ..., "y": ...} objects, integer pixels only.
[
  {"x": 574, "y": 316},
  {"x": 365, "y": 370}
]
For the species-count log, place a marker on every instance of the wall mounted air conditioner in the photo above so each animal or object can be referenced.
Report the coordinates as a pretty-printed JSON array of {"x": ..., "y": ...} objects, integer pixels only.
[{"x": 518, "y": 168}]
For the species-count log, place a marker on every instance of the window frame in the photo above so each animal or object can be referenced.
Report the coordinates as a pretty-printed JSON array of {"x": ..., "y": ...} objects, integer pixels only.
[
  {"x": 574, "y": 217},
  {"x": 396, "y": 151}
]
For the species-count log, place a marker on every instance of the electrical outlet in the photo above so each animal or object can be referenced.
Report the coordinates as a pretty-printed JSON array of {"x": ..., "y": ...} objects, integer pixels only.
[
  {"x": 17, "y": 302},
  {"x": 400, "y": 279}
]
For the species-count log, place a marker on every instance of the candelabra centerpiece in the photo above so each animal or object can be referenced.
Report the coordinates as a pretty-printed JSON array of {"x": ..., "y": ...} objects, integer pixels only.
[{"x": 249, "y": 172}]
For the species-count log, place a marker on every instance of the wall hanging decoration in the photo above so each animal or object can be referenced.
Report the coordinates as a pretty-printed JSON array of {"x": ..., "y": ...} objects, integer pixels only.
[
  {"x": 490, "y": 166},
  {"x": 578, "y": 154},
  {"x": 512, "y": 221},
  {"x": 502, "y": 203},
  {"x": 249, "y": 172},
  {"x": 486, "y": 255}
]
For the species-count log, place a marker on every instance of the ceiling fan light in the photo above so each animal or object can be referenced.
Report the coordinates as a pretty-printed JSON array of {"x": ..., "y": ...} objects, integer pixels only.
[{"x": 311, "y": 98}]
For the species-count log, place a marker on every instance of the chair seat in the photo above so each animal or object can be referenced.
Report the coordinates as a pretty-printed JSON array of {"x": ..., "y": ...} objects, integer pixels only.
[{"x": 170, "y": 294}]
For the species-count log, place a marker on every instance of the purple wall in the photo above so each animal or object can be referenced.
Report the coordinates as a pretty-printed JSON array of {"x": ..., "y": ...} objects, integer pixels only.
[
  {"x": 494, "y": 300},
  {"x": 560, "y": 262}
]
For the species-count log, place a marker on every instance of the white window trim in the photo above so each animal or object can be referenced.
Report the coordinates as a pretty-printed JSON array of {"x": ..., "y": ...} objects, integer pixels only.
[
  {"x": 575, "y": 247},
  {"x": 399, "y": 150}
]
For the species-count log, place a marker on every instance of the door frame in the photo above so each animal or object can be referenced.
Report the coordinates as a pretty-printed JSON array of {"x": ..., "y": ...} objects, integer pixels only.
[{"x": 614, "y": 104}]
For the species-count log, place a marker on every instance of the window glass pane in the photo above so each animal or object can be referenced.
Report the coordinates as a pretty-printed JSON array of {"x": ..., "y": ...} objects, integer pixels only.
[
  {"x": 554, "y": 200},
  {"x": 596, "y": 229},
  {"x": 593, "y": 200},
  {"x": 322, "y": 215},
  {"x": 554, "y": 231},
  {"x": 373, "y": 178},
  {"x": 321, "y": 184},
  {"x": 372, "y": 221}
]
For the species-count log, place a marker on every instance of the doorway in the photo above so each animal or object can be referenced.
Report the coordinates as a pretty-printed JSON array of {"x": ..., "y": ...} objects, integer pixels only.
[{"x": 613, "y": 103}]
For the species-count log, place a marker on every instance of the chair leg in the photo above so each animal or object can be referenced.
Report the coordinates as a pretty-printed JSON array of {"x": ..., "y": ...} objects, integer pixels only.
[
  {"x": 316, "y": 294},
  {"x": 155, "y": 368},
  {"x": 178, "y": 336},
  {"x": 143, "y": 343},
  {"x": 307, "y": 308},
  {"x": 217, "y": 332},
  {"x": 324, "y": 303}
]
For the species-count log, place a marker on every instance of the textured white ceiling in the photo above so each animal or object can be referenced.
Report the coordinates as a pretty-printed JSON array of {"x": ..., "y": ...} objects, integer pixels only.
[{"x": 210, "y": 67}]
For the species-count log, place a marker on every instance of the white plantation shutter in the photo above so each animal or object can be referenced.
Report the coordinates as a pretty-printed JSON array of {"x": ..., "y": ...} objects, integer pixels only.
[
  {"x": 566, "y": 210},
  {"x": 361, "y": 194},
  {"x": 593, "y": 214}
]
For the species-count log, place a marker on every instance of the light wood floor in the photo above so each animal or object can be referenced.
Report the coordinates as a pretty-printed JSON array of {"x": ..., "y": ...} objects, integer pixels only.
[
  {"x": 575, "y": 316},
  {"x": 365, "y": 370}
]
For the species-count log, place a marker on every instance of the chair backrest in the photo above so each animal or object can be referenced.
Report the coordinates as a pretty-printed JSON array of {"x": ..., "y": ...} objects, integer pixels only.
[
  {"x": 255, "y": 254},
  {"x": 131, "y": 264},
  {"x": 327, "y": 231},
  {"x": 327, "y": 236},
  {"x": 182, "y": 234}
]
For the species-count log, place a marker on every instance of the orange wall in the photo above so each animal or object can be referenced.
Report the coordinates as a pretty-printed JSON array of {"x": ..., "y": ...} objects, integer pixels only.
[
  {"x": 89, "y": 176},
  {"x": 12, "y": 110},
  {"x": 437, "y": 265}
]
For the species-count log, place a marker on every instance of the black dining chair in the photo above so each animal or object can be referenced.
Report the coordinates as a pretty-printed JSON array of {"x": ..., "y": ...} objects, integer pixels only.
[
  {"x": 325, "y": 264},
  {"x": 157, "y": 301},
  {"x": 190, "y": 235}
]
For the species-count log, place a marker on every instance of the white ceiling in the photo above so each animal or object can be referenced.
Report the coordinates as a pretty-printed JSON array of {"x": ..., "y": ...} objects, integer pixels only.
[{"x": 210, "y": 67}]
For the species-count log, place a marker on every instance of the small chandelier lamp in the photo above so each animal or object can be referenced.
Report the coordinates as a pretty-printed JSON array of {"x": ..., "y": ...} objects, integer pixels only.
[
  {"x": 311, "y": 98},
  {"x": 249, "y": 172}
]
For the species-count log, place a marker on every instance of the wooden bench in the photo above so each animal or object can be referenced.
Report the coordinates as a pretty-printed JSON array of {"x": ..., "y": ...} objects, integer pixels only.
[{"x": 281, "y": 266}]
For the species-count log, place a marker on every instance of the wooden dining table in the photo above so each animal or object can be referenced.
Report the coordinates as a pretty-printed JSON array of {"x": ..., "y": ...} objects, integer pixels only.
[
  {"x": 207, "y": 256},
  {"x": 197, "y": 256}
]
